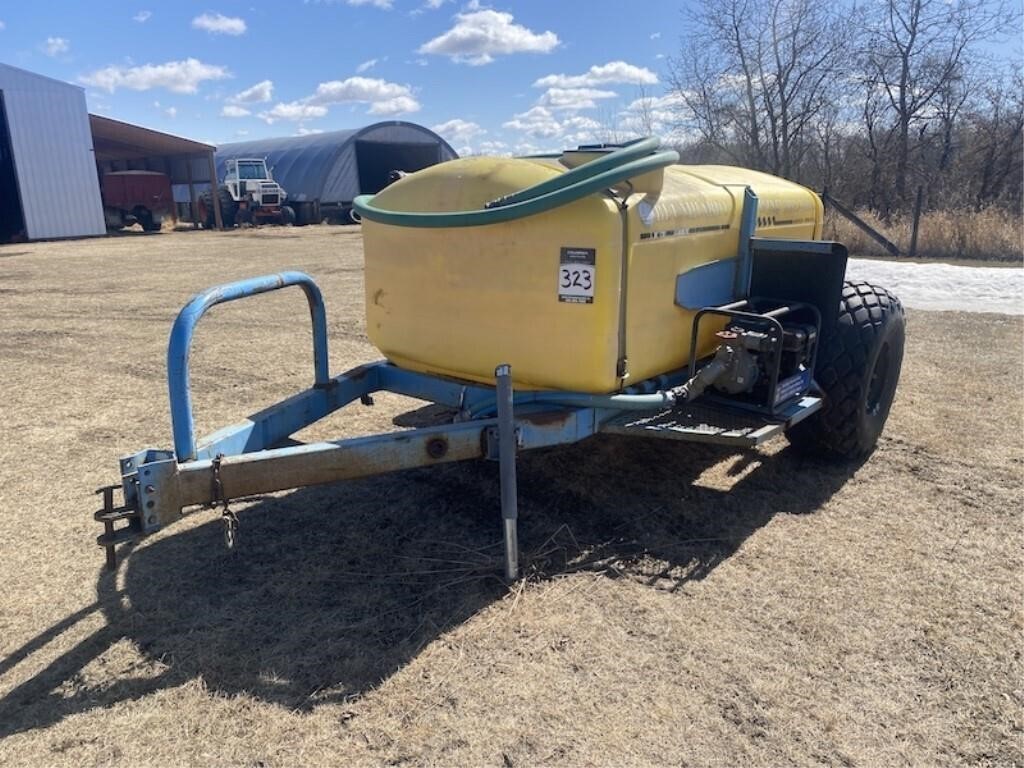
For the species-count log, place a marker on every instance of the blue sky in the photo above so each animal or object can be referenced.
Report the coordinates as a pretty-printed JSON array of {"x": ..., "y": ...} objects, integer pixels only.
[{"x": 514, "y": 77}]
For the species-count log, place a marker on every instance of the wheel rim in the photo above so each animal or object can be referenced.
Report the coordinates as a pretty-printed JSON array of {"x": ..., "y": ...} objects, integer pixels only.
[{"x": 879, "y": 379}]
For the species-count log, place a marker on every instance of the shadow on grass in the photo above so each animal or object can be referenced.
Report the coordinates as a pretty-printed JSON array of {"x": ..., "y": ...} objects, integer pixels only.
[{"x": 333, "y": 589}]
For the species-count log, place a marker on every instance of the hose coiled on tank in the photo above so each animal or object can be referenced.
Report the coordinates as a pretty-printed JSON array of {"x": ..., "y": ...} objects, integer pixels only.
[{"x": 634, "y": 159}]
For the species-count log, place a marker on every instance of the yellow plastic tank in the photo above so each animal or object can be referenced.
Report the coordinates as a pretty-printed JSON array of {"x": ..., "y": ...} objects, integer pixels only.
[{"x": 579, "y": 298}]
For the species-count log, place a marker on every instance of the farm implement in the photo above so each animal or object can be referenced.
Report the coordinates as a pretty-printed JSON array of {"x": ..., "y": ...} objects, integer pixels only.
[{"x": 603, "y": 291}]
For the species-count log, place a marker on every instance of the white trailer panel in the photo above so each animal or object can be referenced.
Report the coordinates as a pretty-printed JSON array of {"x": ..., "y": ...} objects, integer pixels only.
[{"x": 53, "y": 155}]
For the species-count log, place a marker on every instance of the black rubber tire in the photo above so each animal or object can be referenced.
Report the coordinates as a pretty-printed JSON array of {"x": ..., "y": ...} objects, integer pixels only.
[
  {"x": 228, "y": 209},
  {"x": 858, "y": 369},
  {"x": 147, "y": 221},
  {"x": 287, "y": 215}
]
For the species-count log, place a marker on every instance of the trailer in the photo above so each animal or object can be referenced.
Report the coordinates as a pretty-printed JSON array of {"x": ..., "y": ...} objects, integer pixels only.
[
  {"x": 136, "y": 197},
  {"x": 775, "y": 342}
]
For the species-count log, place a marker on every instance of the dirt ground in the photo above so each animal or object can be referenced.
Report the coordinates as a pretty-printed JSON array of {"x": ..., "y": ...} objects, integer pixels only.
[{"x": 684, "y": 605}]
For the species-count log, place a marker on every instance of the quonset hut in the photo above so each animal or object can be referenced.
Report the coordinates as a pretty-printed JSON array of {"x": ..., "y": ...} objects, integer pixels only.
[{"x": 322, "y": 173}]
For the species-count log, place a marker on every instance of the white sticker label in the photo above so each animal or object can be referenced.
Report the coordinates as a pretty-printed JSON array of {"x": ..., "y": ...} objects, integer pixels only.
[{"x": 577, "y": 274}]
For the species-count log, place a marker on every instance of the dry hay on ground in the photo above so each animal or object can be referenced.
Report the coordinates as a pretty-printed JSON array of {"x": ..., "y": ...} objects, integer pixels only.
[{"x": 685, "y": 605}]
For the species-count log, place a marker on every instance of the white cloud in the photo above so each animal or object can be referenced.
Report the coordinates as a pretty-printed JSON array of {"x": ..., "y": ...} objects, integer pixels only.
[
  {"x": 219, "y": 24},
  {"x": 479, "y": 36},
  {"x": 399, "y": 105},
  {"x": 667, "y": 103},
  {"x": 177, "y": 76},
  {"x": 171, "y": 112},
  {"x": 2, "y": 25},
  {"x": 261, "y": 92},
  {"x": 55, "y": 46},
  {"x": 368, "y": 64},
  {"x": 435, "y": 4},
  {"x": 384, "y": 98},
  {"x": 580, "y": 123},
  {"x": 304, "y": 131},
  {"x": 458, "y": 131},
  {"x": 493, "y": 147},
  {"x": 142, "y": 16},
  {"x": 601, "y": 74},
  {"x": 574, "y": 98},
  {"x": 655, "y": 35},
  {"x": 529, "y": 148},
  {"x": 231, "y": 110},
  {"x": 295, "y": 111},
  {"x": 384, "y": 5},
  {"x": 656, "y": 114},
  {"x": 541, "y": 123},
  {"x": 538, "y": 122}
]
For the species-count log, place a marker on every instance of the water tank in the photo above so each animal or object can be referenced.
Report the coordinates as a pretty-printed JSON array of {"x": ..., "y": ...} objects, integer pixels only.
[{"x": 577, "y": 298}]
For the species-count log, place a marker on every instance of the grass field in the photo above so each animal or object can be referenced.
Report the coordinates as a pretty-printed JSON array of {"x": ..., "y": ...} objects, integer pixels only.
[
  {"x": 684, "y": 605},
  {"x": 958, "y": 235}
]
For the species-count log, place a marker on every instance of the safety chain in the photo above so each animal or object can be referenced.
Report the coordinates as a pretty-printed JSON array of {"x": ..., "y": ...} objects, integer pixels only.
[{"x": 227, "y": 514}]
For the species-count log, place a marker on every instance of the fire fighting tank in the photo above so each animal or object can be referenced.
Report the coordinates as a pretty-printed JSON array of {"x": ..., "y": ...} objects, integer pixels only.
[{"x": 577, "y": 297}]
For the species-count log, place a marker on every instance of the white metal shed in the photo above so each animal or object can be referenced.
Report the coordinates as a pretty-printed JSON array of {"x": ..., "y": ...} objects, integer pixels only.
[{"x": 48, "y": 179}]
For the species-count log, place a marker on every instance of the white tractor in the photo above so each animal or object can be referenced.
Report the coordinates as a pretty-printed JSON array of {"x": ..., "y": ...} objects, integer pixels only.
[{"x": 248, "y": 195}]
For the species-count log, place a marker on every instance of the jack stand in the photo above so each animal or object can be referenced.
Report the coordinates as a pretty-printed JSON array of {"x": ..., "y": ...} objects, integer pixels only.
[{"x": 507, "y": 467}]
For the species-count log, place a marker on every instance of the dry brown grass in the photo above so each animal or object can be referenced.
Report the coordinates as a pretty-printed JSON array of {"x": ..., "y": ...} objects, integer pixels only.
[
  {"x": 685, "y": 605},
  {"x": 961, "y": 235}
]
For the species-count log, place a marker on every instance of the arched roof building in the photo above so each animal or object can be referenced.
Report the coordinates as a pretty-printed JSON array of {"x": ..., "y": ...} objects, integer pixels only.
[{"x": 333, "y": 168}]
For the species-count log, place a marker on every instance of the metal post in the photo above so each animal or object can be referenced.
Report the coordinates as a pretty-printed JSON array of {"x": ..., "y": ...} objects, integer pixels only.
[
  {"x": 870, "y": 231},
  {"x": 917, "y": 221},
  {"x": 191, "y": 193},
  {"x": 744, "y": 262},
  {"x": 217, "y": 219},
  {"x": 108, "y": 526},
  {"x": 507, "y": 467}
]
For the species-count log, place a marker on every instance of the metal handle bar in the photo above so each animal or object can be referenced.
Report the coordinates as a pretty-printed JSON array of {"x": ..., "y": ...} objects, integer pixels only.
[{"x": 180, "y": 344}]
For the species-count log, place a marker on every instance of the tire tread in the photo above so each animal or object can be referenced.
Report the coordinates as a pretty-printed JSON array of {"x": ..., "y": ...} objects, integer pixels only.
[{"x": 842, "y": 369}]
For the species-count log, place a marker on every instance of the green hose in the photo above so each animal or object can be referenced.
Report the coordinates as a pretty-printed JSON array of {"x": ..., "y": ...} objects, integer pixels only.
[
  {"x": 625, "y": 163},
  {"x": 631, "y": 151}
]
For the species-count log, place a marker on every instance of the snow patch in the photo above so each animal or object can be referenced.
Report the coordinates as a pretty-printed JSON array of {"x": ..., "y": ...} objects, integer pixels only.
[{"x": 945, "y": 286}]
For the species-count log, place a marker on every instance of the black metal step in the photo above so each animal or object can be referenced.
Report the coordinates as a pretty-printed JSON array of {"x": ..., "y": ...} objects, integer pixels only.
[{"x": 696, "y": 422}]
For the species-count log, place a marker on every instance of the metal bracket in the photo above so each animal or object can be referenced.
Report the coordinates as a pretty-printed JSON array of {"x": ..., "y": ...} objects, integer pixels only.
[
  {"x": 492, "y": 435},
  {"x": 110, "y": 514},
  {"x": 724, "y": 280}
]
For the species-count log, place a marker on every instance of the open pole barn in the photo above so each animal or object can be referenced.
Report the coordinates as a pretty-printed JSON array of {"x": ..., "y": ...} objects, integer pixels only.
[
  {"x": 48, "y": 183},
  {"x": 322, "y": 173},
  {"x": 188, "y": 164}
]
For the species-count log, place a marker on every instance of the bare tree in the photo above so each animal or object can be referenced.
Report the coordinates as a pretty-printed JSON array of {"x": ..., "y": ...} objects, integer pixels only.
[
  {"x": 997, "y": 154},
  {"x": 915, "y": 52},
  {"x": 714, "y": 80},
  {"x": 869, "y": 101},
  {"x": 756, "y": 75},
  {"x": 641, "y": 116}
]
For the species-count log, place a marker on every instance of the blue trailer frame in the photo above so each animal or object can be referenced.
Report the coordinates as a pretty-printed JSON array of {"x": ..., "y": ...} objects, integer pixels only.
[{"x": 257, "y": 455}]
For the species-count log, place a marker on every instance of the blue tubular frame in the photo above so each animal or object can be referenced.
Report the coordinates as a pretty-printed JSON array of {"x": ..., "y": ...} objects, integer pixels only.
[{"x": 180, "y": 344}]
